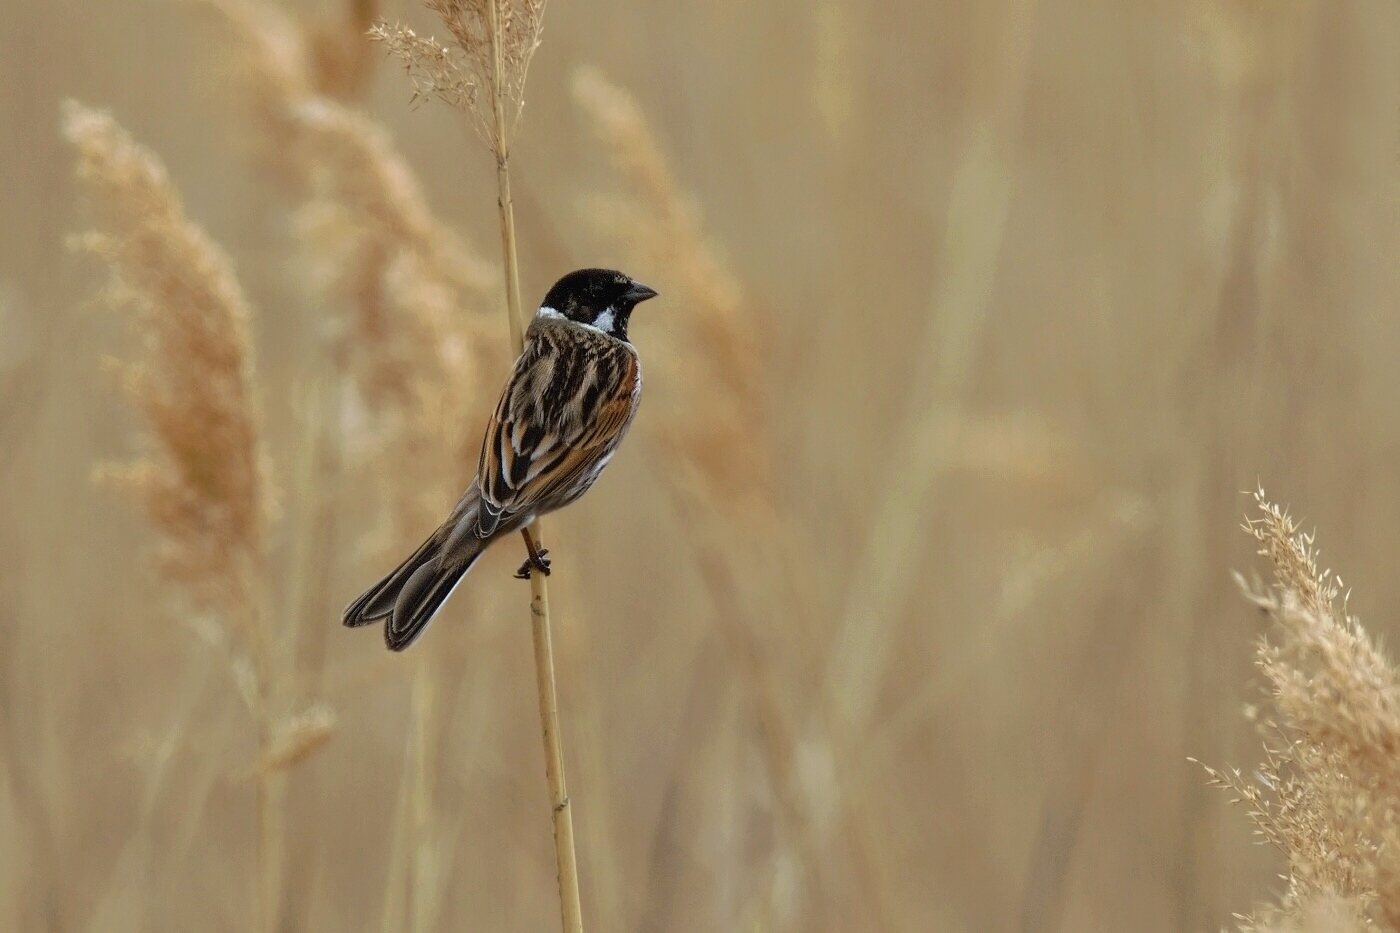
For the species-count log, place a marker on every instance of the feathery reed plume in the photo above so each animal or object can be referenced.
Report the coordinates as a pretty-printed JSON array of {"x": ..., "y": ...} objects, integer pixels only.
[
  {"x": 373, "y": 246},
  {"x": 205, "y": 485},
  {"x": 1327, "y": 794},
  {"x": 206, "y": 488},
  {"x": 270, "y": 67},
  {"x": 484, "y": 77},
  {"x": 417, "y": 362},
  {"x": 483, "y": 72},
  {"x": 719, "y": 466},
  {"x": 341, "y": 60}
]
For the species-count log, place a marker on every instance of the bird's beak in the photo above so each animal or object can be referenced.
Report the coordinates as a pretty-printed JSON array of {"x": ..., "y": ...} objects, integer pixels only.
[{"x": 639, "y": 293}]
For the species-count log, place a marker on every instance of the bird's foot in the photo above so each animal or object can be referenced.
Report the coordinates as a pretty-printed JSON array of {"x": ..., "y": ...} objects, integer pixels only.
[{"x": 538, "y": 562}]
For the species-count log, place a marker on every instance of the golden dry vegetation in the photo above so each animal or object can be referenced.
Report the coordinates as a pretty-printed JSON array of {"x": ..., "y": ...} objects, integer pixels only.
[{"x": 907, "y": 604}]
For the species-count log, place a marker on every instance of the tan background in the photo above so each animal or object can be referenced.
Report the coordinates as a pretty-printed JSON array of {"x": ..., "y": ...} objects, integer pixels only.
[{"x": 1124, "y": 261}]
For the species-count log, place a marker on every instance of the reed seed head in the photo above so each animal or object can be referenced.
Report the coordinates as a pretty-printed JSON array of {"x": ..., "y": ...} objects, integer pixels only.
[
  {"x": 204, "y": 481},
  {"x": 482, "y": 73},
  {"x": 1327, "y": 793}
]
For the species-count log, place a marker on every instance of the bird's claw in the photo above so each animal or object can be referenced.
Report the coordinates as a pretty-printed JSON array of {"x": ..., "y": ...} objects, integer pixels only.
[{"x": 540, "y": 563}]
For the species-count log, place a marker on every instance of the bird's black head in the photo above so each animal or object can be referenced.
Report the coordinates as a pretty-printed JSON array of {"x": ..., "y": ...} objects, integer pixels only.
[{"x": 599, "y": 298}]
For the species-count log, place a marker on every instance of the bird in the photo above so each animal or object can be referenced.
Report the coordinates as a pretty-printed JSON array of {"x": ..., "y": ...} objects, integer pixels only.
[{"x": 569, "y": 400}]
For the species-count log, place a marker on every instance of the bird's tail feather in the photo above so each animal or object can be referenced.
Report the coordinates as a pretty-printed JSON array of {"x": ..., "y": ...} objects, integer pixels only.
[
  {"x": 377, "y": 602},
  {"x": 423, "y": 593},
  {"x": 407, "y": 599}
]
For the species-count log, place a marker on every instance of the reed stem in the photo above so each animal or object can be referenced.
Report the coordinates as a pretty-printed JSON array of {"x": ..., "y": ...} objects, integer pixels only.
[
  {"x": 512, "y": 265},
  {"x": 570, "y": 909},
  {"x": 271, "y": 792},
  {"x": 264, "y": 702}
]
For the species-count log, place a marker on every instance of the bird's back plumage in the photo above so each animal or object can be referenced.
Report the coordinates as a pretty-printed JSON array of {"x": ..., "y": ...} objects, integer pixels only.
[{"x": 565, "y": 410}]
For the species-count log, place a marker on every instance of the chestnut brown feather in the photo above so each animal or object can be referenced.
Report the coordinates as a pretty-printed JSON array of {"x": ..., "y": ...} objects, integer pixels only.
[{"x": 565, "y": 409}]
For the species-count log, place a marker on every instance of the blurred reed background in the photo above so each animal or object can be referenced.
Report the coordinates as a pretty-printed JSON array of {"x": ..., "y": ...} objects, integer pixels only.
[{"x": 908, "y": 598}]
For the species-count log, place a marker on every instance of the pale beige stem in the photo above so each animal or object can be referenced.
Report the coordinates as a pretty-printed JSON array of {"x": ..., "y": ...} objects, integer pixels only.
[
  {"x": 423, "y": 896},
  {"x": 393, "y": 910},
  {"x": 512, "y": 265},
  {"x": 271, "y": 786},
  {"x": 501, "y": 146},
  {"x": 270, "y": 793},
  {"x": 570, "y": 910}
]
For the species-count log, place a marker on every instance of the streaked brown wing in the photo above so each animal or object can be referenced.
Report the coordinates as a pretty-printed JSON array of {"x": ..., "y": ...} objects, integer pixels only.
[{"x": 566, "y": 406}]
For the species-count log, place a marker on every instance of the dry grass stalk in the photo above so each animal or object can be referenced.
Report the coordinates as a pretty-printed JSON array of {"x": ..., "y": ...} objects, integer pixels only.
[
  {"x": 204, "y": 484},
  {"x": 979, "y": 208},
  {"x": 1327, "y": 794},
  {"x": 270, "y": 66},
  {"x": 719, "y": 466},
  {"x": 484, "y": 76},
  {"x": 424, "y": 887}
]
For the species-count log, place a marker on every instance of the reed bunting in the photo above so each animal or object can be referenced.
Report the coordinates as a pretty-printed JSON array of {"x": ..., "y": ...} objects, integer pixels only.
[{"x": 564, "y": 411}]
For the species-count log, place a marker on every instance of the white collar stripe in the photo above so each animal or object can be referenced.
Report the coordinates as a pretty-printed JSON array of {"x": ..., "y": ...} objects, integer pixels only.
[{"x": 603, "y": 325}]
